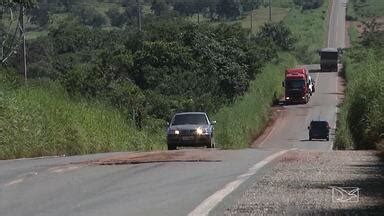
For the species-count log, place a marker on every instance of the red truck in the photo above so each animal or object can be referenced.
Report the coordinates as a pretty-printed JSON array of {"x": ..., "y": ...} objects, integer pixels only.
[{"x": 296, "y": 85}]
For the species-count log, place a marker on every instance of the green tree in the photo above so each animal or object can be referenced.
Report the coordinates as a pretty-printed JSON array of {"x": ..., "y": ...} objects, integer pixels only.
[{"x": 279, "y": 33}]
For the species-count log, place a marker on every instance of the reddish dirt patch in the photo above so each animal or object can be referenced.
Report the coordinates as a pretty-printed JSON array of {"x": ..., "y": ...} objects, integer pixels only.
[
  {"x": 158, "y": 157},
  {"x": 276, "y": 113}
]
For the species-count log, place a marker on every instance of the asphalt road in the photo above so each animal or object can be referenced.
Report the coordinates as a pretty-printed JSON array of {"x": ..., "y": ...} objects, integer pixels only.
[{"x": 58, "y": 186}]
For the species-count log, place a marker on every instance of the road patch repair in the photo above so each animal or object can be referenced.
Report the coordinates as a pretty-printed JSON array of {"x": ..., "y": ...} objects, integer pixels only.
[
  {"x": 317, "y": 183},
  {"x": 197, "y": 155}
]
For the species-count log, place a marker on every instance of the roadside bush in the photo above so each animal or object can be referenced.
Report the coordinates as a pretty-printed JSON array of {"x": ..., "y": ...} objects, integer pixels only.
[
  {"x": 362, "y": 114},
  {"x": 279, "y": 33}
]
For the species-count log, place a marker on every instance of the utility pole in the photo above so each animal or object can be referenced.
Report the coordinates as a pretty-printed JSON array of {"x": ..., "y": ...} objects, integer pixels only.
[
  {"x": 270, "y": 11},
  {"x": 138, "y": 14},
  {"x": 22, "y": 34}
]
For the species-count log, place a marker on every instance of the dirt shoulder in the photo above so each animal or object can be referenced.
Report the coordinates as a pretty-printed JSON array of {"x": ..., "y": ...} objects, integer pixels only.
[{"x": 308, "y": 183}]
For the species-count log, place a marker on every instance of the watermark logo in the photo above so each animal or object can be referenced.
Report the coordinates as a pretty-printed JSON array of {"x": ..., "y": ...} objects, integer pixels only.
[{"x": 345, "y": 194}]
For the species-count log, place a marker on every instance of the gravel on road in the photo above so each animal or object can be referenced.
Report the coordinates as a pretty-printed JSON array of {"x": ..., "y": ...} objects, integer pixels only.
[{"x": 311, "y": 183}]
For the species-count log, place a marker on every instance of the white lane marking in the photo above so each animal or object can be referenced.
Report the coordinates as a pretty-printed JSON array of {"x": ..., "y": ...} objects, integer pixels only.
[
  {"x": 64, "y": 169},
  {"x": 14, "y": 182},
  {"x": 211, "y": 202}
]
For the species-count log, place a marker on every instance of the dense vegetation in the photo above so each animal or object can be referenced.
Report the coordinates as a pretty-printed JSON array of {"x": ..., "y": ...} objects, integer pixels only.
[
  {"x": 361, "y": 123},
  {"x": 168, "y": 67},
  {"x": 361, "y": 120}
]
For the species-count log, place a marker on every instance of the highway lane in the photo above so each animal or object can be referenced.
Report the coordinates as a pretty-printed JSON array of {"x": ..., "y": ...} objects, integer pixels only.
[
  {"x": 337, "y": 24},
  {"x": 55, "y": 186}
]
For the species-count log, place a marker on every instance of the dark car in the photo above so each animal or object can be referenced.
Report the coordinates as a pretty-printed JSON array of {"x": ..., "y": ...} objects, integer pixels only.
[
  {"x": 319, "y": 130},
  {"x": 190, "y": 129}
]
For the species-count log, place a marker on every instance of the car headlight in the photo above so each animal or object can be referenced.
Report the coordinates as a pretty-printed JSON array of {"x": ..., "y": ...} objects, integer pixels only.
[
  {"x": 177, "y": 132},
  {"x": 202, "y": 131},
  {"x": 287, "y": 98}
]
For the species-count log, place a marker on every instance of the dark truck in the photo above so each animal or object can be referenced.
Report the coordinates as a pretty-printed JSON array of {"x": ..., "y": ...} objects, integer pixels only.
[{"x": 329, "y": 58}]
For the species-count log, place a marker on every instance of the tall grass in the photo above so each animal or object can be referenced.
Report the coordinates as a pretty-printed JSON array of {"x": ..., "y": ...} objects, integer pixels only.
[
  {"x": 309, "y": 27},
  {"x": 238, "y": 124},
  {"x": 361, "y": 122},
  {"x": 353, "y": 34},
  {"x": 37, "y": 120}
]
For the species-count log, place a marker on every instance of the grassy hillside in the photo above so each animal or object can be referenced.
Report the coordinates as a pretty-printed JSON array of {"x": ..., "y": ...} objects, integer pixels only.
[
  {"x": 309, "y": 27},
  {"x": 261, "y": 16},
  {"x": 41, "y": 119}
]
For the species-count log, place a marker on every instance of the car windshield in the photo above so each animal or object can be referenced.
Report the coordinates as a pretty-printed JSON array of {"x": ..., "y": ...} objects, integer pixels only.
[
  {"x": 194, "y": 119},
  {"x": 295, "y": 84},
  {"x": 319, "y": 124},
  {"x": 329, "y": 55}
]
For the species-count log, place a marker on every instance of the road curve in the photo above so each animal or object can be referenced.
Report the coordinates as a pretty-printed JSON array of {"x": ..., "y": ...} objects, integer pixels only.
[{"x": 68, "y": 186}]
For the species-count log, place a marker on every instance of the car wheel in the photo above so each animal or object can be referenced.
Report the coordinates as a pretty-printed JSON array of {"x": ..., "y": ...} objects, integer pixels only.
[
  {"x": 327, "y": 138},
  {"x": 172, "y": 147}
]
